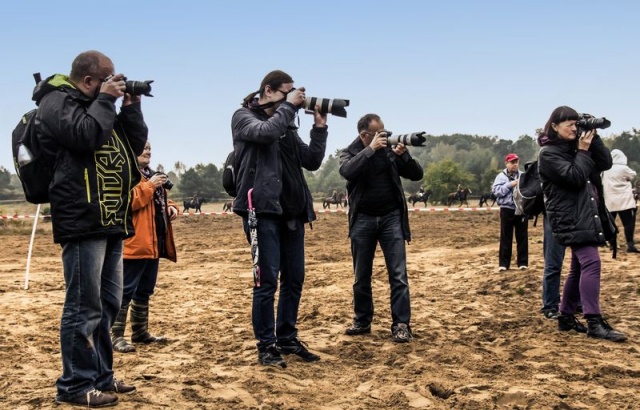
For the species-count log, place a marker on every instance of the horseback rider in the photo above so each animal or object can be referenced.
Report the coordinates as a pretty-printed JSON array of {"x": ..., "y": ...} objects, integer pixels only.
[{"x": 334, "y": 197}]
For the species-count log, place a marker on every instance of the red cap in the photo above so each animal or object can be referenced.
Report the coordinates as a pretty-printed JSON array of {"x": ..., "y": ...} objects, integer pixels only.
[{"x": 511, "y": 157}]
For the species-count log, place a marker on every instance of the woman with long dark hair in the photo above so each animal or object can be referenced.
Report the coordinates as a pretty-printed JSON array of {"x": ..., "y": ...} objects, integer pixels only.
[{"x": 570, "y": 165}]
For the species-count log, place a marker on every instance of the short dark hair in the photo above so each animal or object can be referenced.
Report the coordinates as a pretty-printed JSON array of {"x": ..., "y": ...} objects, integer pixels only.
[
  {"x": 274, "y": 80},
  {"x": 560, "y": 114},
  {"x": 366, "y": 120},
  {"x": 87, "y": 63}
]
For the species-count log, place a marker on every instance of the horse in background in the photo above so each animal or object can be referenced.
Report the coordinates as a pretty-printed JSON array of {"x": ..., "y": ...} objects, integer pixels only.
[
  {"x": 459, "y": 195},
  {"x": 338, "y": 200},
  {"x": 227, "y": 206},
  {"x": 485, "y": 198},
  {"x": 193, "y": 203},
  {"x": 420, "y": 197}
]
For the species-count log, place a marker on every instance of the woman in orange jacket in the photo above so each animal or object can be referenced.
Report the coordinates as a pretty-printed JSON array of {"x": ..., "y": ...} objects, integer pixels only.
[{"x": 153, "y": 239}]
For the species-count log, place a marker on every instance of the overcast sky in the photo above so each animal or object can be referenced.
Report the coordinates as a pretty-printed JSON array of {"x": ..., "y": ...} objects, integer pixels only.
[{"x": 482, "y": 67}]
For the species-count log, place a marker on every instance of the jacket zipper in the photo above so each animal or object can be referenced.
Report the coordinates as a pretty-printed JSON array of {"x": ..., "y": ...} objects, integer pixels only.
[{"x": 87, "y": 185}]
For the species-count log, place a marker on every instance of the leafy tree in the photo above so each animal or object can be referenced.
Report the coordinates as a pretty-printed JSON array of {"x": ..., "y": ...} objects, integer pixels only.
[{"x": 443, "y": 178}]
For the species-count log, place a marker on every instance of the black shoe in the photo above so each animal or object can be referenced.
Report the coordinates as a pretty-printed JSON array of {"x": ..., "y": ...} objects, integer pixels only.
[
  {"x": 633, "y": 249},
  {"x": 600, "y": 329},
  {"x": 551, "y": 314},
  {"x": 295, "y": 346},
  {"x": 358, "y": 329},
  {"x": 119, "y": 386},
  {"x": 93, "y": 399},
  {"x": 569, "y": 322},
  {"x": 270, "y": 356},
  {"x": 401, "y": 333}
]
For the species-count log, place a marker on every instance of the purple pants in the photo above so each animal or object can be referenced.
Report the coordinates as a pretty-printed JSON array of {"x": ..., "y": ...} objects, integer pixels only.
[{"x": 583, "y": 282}]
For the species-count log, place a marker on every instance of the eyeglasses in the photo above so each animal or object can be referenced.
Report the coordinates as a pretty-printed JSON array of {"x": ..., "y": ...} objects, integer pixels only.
[{"x": 286, "y": 92}]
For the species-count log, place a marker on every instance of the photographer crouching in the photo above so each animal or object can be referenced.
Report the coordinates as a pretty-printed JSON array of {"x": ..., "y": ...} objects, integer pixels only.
[{"x": 378, "y": 214}]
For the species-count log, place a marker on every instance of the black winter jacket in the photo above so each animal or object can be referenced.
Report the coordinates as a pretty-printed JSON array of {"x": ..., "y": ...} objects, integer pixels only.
[
  {"x": 258, "y": 162},
  {"x": 354, "y": 164},
  {"x": 96, "y": 165},
  {"x": 573, "y": 195}
]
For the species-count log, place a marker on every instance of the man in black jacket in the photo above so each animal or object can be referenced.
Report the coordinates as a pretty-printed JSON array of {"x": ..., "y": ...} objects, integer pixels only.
[
  {"x": 270, "y": 156},
  {"x": 378, "y": 213},
  {"x": 96, "y": 151}
]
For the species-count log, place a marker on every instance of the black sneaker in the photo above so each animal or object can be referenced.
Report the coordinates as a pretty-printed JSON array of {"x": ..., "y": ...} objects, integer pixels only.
[
  {"x": 295, "y": 346},
  {"x": 270, "y": 356},
  {"x": 401, "y": 333},
  {"x": 93, "y": 399},
  {"x": 358, "y": 329},
  {"x": 551, "y": 314}
]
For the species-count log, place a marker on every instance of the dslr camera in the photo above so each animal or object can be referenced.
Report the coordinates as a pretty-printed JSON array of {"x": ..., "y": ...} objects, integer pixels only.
[
  {"x": 167, "y": 184},
  {"x": 588, "y": 122},
  {"x": 414, "y": 139}
]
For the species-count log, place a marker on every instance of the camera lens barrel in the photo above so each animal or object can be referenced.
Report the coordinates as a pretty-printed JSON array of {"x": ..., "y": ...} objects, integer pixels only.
[
  {"x": 414, "y": 139},
  {"x": 138, "y": 87},
  {"x": 335, "y": 106}
]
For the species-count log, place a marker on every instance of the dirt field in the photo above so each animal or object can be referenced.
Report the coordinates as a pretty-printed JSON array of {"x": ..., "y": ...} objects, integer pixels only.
[{"x": 480, "y": 341}]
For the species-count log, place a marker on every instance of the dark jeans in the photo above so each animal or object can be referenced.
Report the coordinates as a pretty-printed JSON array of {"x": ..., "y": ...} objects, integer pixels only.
[
  {"x": 93, "y": 278},
  {"x": 628, "y": 218},
  {"x": 509, "y": 222},
  {"x": 281, "y": 251},
  {"x": 366, "y": 232},
  {"x": 583, "y": 282},
  {"x": 140, "y": 276},
  {"x": 553, "y": 259}
]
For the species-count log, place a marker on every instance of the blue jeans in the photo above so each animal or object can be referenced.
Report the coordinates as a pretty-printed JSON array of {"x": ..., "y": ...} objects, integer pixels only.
[
  {"x": 553, "y": 259},
  {"x": 366, "y": 232},
  {"x": 140, "y": 276},
  {"x": 281, "y": 251},
  {"x": 93, "y": 278}
]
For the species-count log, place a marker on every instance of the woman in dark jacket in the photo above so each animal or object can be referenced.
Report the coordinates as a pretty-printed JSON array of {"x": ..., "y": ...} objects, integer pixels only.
[{"x": 569, "y": 168}]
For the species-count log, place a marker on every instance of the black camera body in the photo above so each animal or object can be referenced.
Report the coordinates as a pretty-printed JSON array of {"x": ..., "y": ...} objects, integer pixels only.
[
  {"x": 138, "y": 87},
  {"x": 167, "y": 184},
  {"x": 588, "y": 122},
  {"x": 414, "y": 139}
]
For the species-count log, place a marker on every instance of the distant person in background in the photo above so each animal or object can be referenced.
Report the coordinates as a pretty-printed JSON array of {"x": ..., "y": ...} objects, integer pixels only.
[
  {"x": 569, "y": 166},
  {"x": 502, "y": 188},
  {"x": 153, "y": 239},
  {"x": 618, "y": 195}
]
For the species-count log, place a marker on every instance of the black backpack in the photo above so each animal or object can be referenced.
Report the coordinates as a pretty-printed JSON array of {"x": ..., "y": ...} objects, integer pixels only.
[
  {"x": 527, "y": 195},
  {"x": 229, "y": 174},
  {"x": 34, "y": 163}
]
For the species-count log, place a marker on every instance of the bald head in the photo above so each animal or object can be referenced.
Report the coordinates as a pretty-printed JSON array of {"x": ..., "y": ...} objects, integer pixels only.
[{"x": 90, "y": 63}]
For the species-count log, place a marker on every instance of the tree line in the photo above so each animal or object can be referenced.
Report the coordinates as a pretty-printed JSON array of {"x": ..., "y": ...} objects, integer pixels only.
[{"x": 470, "y": 161}]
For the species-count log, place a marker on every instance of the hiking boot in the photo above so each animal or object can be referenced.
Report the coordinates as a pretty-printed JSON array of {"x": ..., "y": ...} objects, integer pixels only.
[
  {"x": 119, "y": 386},
  {"x": 551, "y": 314},
  {"x": 401, "y": 333},
  {"x": 569, "y": 322},
  {"x": 92, "y": 399},
  {"x": 295, "y": 346},
  {"x": 358, "y": 329},
  {"x": 270, "y": 356},
  {"x": 599, "y": 328}
]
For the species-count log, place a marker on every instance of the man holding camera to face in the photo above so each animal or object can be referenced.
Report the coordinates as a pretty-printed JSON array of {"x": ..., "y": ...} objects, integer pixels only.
[
  {"x": 378, "y": 214},
  {"x": 270, "y": 156},
  {"x": 96, "y": 150}
]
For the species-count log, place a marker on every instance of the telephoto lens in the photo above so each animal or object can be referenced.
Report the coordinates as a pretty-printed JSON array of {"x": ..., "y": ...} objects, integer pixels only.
[
  {"x": 335, "y": 106},
  {"x": 414, "y": 139}
]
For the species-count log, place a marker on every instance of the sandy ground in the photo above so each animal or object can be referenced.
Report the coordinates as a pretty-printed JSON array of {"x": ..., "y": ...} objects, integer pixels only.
[{"x": 480, "y": 341}]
